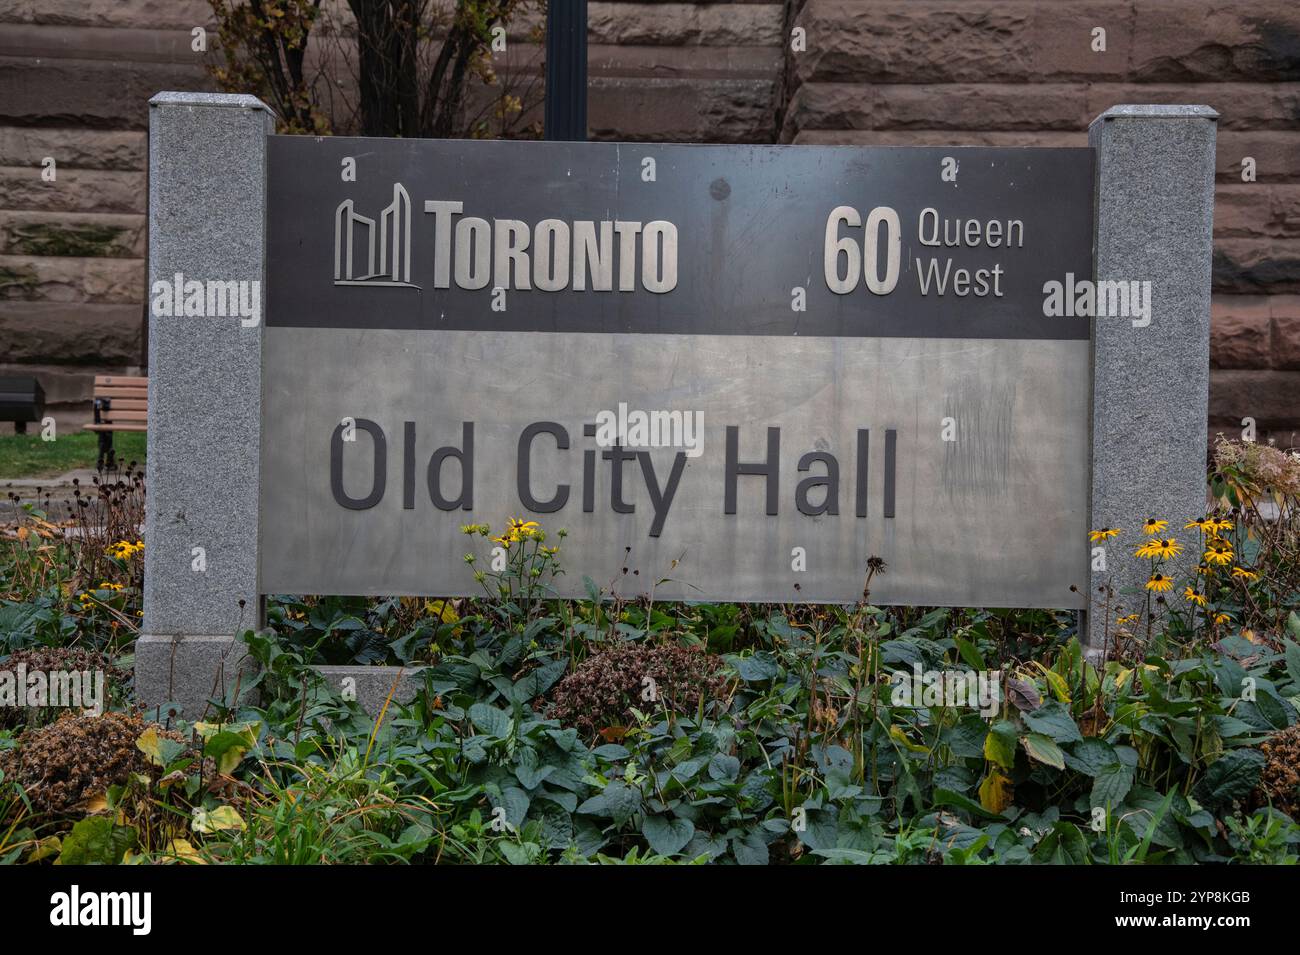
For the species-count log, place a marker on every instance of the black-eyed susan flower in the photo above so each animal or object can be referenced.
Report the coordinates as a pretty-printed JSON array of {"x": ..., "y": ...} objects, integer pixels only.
[
  {"x": 1218, "y": 552},
  {"x": 1106, "y": 533},
  {"x": 1163, "y": 548},
  {"x": 1160, "y": 583},
  {"x": 125, "y": 550},
  {"x": 1151, "y": 526},
  {"x": 1241, "y": 573},
  {"x": 1194, "y": 596},
  {"x": 1222, "y": 618},
  {"x": 1127, "y": 619},
  {"x": 1169, "y": 547},
  {"x": 1205, "y": 525},
  {"x": 1222, "y": 525}
]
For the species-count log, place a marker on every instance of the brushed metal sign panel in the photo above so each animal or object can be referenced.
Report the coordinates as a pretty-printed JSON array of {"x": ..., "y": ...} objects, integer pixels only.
[
  {"x": 995, "y": 517},
  {"x": 854, "y": 341}
]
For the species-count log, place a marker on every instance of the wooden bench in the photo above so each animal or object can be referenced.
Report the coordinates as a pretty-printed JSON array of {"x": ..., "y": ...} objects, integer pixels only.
[{"x": 121, "y": 404}]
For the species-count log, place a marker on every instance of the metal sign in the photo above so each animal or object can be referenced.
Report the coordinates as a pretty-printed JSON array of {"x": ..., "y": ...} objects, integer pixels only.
[{"x": 729, "y": 372}]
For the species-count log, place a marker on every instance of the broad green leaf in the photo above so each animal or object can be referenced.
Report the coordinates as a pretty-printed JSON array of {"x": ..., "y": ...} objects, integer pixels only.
[
  {"x": 1152, "y": 819},
  {"x": 750, "y": 849},
  {"x": 1293, "y": 658},
  {"x": 556, "y": 824},
  {"x": 753, "y": 668},
  {"x": 667, "y": 836},
  {"x": 1090, "y": 756},
  {"x": 1111, "y": 786},
  {"x": 519, "y": 853},
  {"x": 1044, "y": 749},
  {"x": 966, "y": 739},
  {"x": 722, "y": 766},
  {"x": 1060, "y": 689},
  {"x": 160, "y": 750},
  {"x": 1063, "y": 845},
  {"x": 970, "y": 654},
  {"x": 1230, "y": 777},
  {"x": 228, "y": 747},
  {"x": 515, "y": 802},
  {"x": 96, "y": 841},
  {"x": 1000, "y": 744},
  {"x": 1054, "y": 720},
  {"x": 490, "y": 721},
  {"x": 616, "y": 801}
]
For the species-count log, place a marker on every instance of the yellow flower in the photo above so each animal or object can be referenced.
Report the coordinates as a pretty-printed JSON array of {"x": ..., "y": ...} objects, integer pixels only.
[
  {"x": 1106, "y": 533},
  {"x": 1148, "y": 549},
  {"x": 1151, "y": 526},
  {"x": 1194, "y": 596},
  {"x": 1160, "y": 583},
  {"x": 1205, "y": 525},
  {"x": 1157, "y": 547},
  {"x": 1222, "y": 618},
  {"x": 1222, "y": 525},
  {"x": 1218, "y": 553},
  {"x": 124, "y": 550},
  {"x": 1170, "y": 548},
  {"x": 1127, "y": 619},
  {"x": 1243, "y": 574}
]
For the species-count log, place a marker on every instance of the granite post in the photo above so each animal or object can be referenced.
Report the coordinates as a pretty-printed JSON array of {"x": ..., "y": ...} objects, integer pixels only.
[
  {"x": 1155, "y": 205},
  {"x": 207, "y": 212}
]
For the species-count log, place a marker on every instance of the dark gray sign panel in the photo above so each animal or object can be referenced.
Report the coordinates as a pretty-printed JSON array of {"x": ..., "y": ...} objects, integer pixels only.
[{"x": 729, "y": 372}]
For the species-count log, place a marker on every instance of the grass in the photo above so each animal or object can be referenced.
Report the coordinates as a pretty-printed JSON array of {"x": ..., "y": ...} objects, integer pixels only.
[{"x": 26, "y": 455}]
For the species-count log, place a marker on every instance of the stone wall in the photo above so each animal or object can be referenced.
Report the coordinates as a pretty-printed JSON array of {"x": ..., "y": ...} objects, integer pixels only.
[
  {"x": 75, "y": 76},
  {"x": 1020, "y": 72}
]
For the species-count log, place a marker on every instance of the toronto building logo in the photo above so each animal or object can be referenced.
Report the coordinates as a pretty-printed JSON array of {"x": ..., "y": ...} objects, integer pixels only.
[{"x": 367, "y": 252}]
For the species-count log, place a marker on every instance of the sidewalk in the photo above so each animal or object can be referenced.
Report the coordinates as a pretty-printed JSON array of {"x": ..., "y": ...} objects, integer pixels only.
[{"x": 59, "y": 488}]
